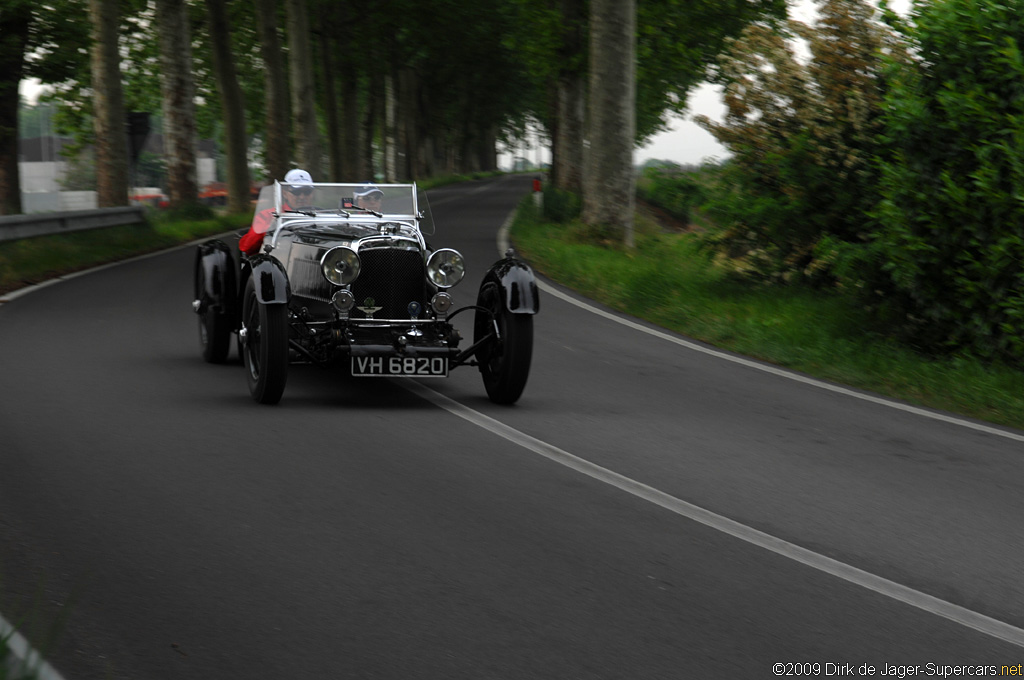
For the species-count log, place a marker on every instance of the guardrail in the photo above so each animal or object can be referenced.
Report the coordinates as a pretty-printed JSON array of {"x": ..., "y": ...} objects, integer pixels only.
[{"x": 26, "y": 226}]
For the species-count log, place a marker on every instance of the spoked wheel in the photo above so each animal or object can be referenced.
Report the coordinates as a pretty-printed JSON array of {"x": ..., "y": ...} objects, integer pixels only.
[
  {"x": 504, "y": 362},
  {"x": 264, "y": 347},
  {"x": 214, "y": 328}
]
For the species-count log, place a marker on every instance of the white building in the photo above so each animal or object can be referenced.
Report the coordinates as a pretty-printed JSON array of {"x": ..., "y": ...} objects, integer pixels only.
[{"x": 43, "y": 168}]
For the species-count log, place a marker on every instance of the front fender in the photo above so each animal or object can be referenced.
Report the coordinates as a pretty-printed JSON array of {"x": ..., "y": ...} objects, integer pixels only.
[
  {"x": 270, "y": 279},
  {"x": 218, "y": 265},
  {"x": 518, "y": 285}
]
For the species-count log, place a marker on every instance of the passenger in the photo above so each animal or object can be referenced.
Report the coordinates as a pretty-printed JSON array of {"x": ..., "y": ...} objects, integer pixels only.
[
  {"x": 295, "y": 192},
  {"x": 369, "y": 197}
]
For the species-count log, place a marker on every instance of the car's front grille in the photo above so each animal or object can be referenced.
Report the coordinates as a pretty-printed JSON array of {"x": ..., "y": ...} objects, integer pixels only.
[{"x": 389, "y": 278}]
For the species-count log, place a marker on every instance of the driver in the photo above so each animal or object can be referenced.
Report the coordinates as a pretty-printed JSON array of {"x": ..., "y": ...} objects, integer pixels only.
[
  {"x": 295, "y": 191},
  {"x": 369, "y": 197}
]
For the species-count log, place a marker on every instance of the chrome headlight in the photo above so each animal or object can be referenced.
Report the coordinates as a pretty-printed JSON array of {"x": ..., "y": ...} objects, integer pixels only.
[
  {"x": 445, "y": 268},
  {"x": 340, "y": 265}
]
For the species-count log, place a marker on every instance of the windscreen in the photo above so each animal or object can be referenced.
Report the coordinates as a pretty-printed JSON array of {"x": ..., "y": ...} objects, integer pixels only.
[
  {"x": 266, "y": 204},
  {"x": 366, "y": 203}
]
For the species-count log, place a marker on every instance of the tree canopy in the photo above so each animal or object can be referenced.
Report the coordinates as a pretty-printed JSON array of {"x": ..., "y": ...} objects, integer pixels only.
[{"x": 402, "y": 88}]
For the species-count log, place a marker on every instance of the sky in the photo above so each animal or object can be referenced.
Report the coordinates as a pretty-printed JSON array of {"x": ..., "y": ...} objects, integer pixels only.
[{"x": 684, "y": 142}]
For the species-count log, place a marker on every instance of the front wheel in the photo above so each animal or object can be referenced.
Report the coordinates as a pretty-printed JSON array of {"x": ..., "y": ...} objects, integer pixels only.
[
  {"x": 264, "y": 347},
  {"x": 505, "y": 361}
]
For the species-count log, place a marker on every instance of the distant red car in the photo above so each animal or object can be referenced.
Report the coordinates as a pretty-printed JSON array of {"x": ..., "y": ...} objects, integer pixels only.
[
  {"x": 151, "y": 200},
  {"x": 214, "y": 193}
]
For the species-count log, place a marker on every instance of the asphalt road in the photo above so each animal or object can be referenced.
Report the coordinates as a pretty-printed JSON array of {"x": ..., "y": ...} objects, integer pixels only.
[{"x": 376, "y": 529}]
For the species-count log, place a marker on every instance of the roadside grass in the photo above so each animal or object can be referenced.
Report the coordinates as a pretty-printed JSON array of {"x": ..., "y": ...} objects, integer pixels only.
[
  {"x": 24, "y": 262},
  {"x": 669, "y": 280}
]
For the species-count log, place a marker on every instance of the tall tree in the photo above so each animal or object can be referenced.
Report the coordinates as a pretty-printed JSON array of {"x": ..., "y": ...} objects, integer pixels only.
[
  {"x": 609, "y": 181},
  {"x": 677, "y": 45},
  {"x": 408, "y": 108},
  {"x": 41, "y": 40},
  {"x": 330, "y": 78},
  {"x": 567, "y": 137},
  {"x": 277, "y": 123},
  {"x": 351, "y": 150},
  {"x": 15, "y": 24},
  {"x": 109, "y": 121},
  {"x": 390, "y": 136},
  {"x": 177, "y": 91},
  {"x": 300, "y": 63},
  {"x": 232, "y": 107}
]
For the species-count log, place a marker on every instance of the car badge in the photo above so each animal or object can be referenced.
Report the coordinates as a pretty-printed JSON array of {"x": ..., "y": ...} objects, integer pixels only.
[{"x": 368, "y": 308}]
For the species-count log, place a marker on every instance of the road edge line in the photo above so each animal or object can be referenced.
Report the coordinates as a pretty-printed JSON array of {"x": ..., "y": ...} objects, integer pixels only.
[{"x": 878, "y": 584}]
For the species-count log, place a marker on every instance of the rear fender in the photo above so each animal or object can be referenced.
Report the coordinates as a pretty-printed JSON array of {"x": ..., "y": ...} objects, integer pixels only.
[
  {"x": 518, "y": 285},
  {"x": 272, "y": 287},
  {"x": 218, "y": 266}
]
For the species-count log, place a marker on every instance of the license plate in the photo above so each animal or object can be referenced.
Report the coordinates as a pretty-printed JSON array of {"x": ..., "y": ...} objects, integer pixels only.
[{"x": 417, "y": 367}]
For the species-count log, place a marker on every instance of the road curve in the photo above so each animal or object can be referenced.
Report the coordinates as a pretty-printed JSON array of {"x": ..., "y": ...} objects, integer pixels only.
[{"x": 359, "y": 530}]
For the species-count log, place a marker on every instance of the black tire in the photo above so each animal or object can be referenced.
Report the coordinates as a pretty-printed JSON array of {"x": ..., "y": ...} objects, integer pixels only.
[
  {"x": 214, "y": 327},
  {"x": 504, "y": 364},
  {"x": 265, "y": 349}
]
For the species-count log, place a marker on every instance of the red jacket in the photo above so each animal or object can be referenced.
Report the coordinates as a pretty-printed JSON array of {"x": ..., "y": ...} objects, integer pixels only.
[{"x": 250, "y": 243}]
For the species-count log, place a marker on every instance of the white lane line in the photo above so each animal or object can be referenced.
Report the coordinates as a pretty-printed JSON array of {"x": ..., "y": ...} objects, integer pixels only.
[
  {"x": 27, "y": 662},
  {"x": 767, "y": 368},
  {"x": 882, "y": 586}
]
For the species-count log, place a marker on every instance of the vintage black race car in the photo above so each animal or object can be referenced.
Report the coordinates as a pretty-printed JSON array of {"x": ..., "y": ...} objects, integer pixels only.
[{"x": 339, "y": 282}]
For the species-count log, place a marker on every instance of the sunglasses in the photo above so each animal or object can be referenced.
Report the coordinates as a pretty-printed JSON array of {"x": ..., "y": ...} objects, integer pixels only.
[{"x": 301, "y": 192}]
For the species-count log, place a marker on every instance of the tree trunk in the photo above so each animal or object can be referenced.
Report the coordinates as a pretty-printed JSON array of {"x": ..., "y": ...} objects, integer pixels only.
[
  {"x": 352, "y": 149},
  {"x": 109, "y": 121},
  {"x": 177, "y": 91},
  {"x": 428, "y": 157},
  {"x": 609, "y": 181},
  {"x": 570, "y": 93},
  {"x": 374, "y": 113},
  {"x": 276, "y": 84},
  {"x": 567, "y": 140},
  {"x": 15, "y": 23},
  {"x": 487, "y": 150},
  {"x": 332, "y": 68},
  {"x": 233, "y": 108},
  {"x": 329, "y": 70},
  {"x": 300, "y": 63},
  {"x": 408, "y": 120},
  {"x": 390, "y": 130}
]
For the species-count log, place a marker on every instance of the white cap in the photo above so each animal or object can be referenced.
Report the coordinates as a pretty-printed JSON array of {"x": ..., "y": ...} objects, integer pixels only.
[
  {"x": 296, "y": 176},
  {"x": 367, "y": 189}
]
